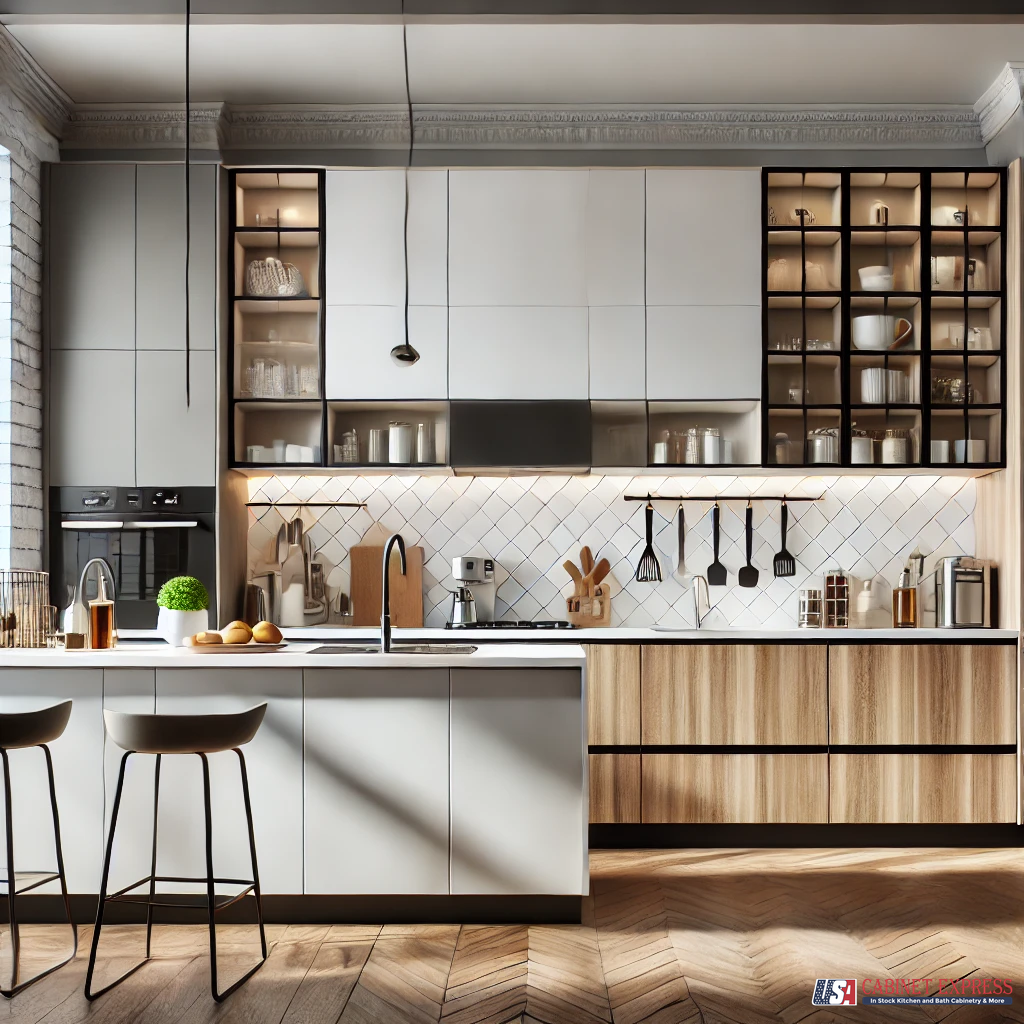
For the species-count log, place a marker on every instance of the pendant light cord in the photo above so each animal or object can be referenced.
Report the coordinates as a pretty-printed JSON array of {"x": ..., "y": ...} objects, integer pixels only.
[
  {"x": 408, "y": 165},
  {"x": 188, "y": 203}
]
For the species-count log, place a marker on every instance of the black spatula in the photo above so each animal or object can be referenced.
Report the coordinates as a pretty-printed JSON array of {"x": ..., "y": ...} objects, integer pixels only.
[
  {"x": 784, "y": 563},
  {"x": 718, "y": 575},
  {"x": 748, "y": 574}
]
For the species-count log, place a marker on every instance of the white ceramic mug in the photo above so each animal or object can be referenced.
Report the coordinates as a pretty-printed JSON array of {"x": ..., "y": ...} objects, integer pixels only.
[
  {"x": 940, "y": 451},
  {"x": 976, "y": 451},
  {"x": 875, "y": 331}
]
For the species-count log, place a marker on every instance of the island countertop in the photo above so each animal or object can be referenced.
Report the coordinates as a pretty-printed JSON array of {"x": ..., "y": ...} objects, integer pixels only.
[{"x": 132, "y": 654}]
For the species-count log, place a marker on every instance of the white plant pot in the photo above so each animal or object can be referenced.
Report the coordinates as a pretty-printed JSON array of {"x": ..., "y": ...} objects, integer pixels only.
[{"x": 173, "y": 626}]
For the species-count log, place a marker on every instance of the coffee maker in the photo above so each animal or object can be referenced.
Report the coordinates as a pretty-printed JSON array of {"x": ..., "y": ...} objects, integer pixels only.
[{"x": 473, "y": 598}]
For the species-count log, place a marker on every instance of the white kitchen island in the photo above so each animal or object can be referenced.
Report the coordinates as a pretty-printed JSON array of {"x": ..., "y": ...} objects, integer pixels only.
[{"x": 450, "y": 777}]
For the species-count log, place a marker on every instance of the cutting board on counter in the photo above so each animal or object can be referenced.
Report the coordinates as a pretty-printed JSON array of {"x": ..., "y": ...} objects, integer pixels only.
[{"x": 406, "y": 591}]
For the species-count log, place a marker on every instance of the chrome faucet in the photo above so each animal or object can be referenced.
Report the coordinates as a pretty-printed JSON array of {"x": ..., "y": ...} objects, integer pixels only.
[
  {"x": 385, "y": 610},
  {"x": 696, "y": 600},
  {"x": 76, "y": 615}
]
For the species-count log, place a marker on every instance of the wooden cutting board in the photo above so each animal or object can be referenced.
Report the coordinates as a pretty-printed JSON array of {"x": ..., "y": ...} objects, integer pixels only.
[{"x": 406, "y": 591}]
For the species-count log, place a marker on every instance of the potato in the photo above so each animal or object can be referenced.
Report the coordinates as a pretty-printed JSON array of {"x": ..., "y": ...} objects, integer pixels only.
[
  {"x": 208, "y": 637},
  {"x": 266, "y": 633},
  {"x": 233, "y": 635}
]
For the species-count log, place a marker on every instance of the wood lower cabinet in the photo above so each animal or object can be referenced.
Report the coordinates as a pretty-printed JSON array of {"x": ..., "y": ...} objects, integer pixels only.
[
  {"x": 726, "y": 788},
  {"x": 920, "y": 693},
  {"x": 734, "y": 693},
  {"x": 613, "y": 694},
  {"x": 917, "y": 788},
  {"x": 614, "y": 788}
]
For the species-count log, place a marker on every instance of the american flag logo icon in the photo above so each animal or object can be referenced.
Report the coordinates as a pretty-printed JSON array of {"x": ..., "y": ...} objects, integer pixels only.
[{"x": 835, "y": 992}]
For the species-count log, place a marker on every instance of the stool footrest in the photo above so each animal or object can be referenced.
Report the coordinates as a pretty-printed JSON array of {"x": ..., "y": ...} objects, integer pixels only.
[
  {"x": 247, "y": 882},
  {"x": 190, "y": 901},
  {"x": 39, "y": 878}
]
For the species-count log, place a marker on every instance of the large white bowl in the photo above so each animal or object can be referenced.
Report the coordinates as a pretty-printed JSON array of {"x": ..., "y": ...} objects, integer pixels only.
[{"x": 875, "y": 279}]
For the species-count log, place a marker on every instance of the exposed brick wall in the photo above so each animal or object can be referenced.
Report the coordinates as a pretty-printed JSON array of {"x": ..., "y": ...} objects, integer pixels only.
[{"x": 26, "y": 146}]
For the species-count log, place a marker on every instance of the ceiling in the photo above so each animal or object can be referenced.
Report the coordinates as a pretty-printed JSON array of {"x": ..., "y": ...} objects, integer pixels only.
[{"x": 557, "y": 63}]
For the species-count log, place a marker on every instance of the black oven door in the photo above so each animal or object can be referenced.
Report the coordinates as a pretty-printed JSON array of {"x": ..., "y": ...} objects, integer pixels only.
[{"x": 143, "y": 552}]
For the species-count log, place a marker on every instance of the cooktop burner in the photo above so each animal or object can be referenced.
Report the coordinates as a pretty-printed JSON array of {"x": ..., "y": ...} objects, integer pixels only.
[{"x": 515, "y": 624}]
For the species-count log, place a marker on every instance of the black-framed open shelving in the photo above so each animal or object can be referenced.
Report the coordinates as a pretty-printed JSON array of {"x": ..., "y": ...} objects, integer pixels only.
[{"x": 844, "y": 249}]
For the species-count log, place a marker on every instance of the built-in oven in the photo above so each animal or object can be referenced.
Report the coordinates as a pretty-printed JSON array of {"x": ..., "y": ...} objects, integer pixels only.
[{"x": 145, "y": 534}]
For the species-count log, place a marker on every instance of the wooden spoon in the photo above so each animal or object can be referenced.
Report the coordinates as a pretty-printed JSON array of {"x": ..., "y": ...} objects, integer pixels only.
[
  {"x": 587, "y": 560},
  {"x": 577, "y": 577},
  {"x": 600, "y": 571}
]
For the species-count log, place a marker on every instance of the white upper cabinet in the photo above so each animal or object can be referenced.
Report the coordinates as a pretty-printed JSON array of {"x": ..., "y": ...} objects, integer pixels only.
[
  {"x": 703, "y": 352},
  {"x": 703, "y": 237},
  {"x": 91, "y": 256},
  {"x": 517, "y": 237},
  {"x": 618, "y": 363},
  {"x": 615, "y": 238},
  {"x": 365, "y": 228},
  {"x": 359, "y": 344},
  {"x": 175, "y": 440},
  {"x": 517, "y": 352}
]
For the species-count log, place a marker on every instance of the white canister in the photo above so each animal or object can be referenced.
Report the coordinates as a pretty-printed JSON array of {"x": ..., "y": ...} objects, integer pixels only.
[
  {"x": 712, "y": 447},
  {"x": 862, "y": 450},
  {"x": 399, "y": 442},
  {"x": 424, "y": 443},
  {"x": 940, "y": 451},
  {"x": 660, "y": 452}
]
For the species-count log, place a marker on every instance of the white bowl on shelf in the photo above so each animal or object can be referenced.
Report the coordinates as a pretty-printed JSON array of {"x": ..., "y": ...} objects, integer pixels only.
[{"x": 875, "y": 279}]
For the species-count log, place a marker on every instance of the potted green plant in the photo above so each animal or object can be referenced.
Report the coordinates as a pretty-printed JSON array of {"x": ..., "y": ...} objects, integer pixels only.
[{"x": 183, "y": 603}]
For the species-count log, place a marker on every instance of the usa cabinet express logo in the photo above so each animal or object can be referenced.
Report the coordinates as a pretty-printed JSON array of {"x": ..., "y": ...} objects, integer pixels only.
[{"x": 913, "y": 992}]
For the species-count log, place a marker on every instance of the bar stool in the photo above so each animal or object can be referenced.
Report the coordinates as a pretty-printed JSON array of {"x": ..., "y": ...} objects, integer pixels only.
[
  {"x": 19, "y": 730},
  {"x": 198, "y": 735}
]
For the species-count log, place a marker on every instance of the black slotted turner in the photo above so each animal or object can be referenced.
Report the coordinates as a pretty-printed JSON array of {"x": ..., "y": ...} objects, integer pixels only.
[
  {"x": 649, "y": 569},
  {"x": 718, "y": 575},
  {"x": 784, "y": 563}
]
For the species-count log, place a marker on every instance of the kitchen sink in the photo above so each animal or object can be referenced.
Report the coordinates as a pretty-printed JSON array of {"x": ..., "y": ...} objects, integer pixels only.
[{"x": 395, "y": 649}]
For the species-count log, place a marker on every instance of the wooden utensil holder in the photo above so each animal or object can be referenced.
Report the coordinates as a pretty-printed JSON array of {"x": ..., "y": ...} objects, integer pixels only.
[{"x": 580, "y": 607}]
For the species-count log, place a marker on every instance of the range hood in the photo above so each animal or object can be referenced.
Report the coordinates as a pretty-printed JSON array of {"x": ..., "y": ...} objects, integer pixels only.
[{"x": 526, "y": 437}]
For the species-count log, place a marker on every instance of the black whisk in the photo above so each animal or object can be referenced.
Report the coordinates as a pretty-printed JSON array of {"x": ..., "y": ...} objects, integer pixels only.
[{"x": 649, "y": 569}]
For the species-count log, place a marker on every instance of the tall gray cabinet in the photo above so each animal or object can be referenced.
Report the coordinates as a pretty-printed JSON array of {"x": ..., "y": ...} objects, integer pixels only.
[{"x": 115, "y": 294}]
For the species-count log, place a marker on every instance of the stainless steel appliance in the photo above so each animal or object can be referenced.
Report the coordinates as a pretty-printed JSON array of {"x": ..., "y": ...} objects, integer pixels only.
[
  {"x": 966, "y": 593},
  {"x": 518, "y": 624},
  {"x": 471, "y": 605},
  {"x": 145, "y": 534}
]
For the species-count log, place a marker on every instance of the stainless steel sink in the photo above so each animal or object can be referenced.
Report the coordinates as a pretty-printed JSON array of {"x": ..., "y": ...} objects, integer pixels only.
[{"x": 395, "y": 649}]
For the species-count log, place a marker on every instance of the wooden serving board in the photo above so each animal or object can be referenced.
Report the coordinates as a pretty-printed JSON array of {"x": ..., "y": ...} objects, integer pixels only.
[
  {"x": 250, "y": 648},
  {"x": 406, "y": 591}
]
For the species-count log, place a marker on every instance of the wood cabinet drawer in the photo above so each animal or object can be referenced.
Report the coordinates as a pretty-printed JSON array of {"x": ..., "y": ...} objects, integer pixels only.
[
  {"x": 734, "y": 693},
  {"x": 614, "y": 788},
  {"x": 721, "y": 788},
  {"x": 918, "y": 693},
  {"x": 613, "y": 694},
  {"x": 952, "y": 788}
]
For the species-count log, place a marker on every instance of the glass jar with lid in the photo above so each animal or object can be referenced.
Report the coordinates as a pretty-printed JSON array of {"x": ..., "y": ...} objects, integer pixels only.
[
  {"x": 712, "y": 446},
  {"x": 895, "y": 447}
]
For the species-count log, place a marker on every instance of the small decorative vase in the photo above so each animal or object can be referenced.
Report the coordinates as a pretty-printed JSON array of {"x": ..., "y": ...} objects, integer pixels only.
[{"x": 173, "y": 626}]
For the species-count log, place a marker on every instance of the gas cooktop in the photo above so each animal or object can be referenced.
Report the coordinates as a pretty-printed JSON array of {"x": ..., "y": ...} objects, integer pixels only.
[{"x": 515, "y": 624}]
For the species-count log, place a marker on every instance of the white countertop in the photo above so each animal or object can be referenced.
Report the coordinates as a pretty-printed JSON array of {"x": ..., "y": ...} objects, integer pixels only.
[
  {"x": 297, "y": 655},
  {"x": 640, "y": 634}
]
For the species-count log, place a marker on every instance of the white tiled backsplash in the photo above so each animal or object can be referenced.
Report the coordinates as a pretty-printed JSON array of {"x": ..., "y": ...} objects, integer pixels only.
[{"x": 531, "y": 525}]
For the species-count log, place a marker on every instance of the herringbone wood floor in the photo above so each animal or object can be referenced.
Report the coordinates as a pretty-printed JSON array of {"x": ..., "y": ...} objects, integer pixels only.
[{"x": 668, "y": 937}]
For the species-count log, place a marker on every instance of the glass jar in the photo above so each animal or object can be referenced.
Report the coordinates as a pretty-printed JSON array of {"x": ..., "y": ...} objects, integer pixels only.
[
  {"x": 694, "y": 446},
  {"x": 862, "y": 448},
  {"x": 712, "y": 447},
  {"x": 895, "y": 447},
  {"x": 781, "y": 447}
]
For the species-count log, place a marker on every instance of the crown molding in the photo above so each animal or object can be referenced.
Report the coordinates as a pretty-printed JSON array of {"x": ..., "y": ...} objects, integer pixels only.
[
  {"x": 32, "y": 85},
  {"x": 1000, "y": 101},
  {"x": 144, "y": 126},
  {"x": 326, "y": 127}
]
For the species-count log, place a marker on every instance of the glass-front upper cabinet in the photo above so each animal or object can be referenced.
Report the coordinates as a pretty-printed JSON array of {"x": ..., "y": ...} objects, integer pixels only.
[{"x": 900, "y": 274}]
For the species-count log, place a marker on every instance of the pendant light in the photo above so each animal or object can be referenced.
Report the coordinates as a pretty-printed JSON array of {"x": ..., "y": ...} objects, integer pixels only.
[{"x": 405, "y": 354}]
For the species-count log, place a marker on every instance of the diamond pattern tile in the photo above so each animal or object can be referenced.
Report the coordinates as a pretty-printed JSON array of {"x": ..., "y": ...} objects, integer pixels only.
[{"x": 866, "y": 525}]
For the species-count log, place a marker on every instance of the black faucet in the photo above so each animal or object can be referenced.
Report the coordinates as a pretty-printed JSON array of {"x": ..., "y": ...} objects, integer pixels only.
[{"x": 385, "y": 610}]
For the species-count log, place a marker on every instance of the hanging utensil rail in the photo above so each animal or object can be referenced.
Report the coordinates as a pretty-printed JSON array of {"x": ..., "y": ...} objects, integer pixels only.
[{"x": 717, "y": 497}]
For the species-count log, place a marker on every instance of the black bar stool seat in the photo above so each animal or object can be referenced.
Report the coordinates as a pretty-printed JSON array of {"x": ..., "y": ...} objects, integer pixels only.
[
  {"x": 197, "y": 735},
  {"x": 19, "y": 730}
]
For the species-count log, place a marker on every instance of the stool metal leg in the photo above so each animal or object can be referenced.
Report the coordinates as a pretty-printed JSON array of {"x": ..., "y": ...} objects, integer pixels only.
[
  {"x": 104, "y": 879},
  {"x": 152, "y": 868},
  {"x": 12, "y": 886},
  {"x": 252, "y": 851},
  {"x": 210, "y": 895}
]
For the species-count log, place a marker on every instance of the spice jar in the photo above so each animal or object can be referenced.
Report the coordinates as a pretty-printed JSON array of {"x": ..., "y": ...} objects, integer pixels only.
[{"x": 894, "y": 447}]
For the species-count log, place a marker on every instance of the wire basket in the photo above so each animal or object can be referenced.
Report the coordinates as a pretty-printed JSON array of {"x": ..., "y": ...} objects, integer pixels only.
[{"x": 24, "y": 598}]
